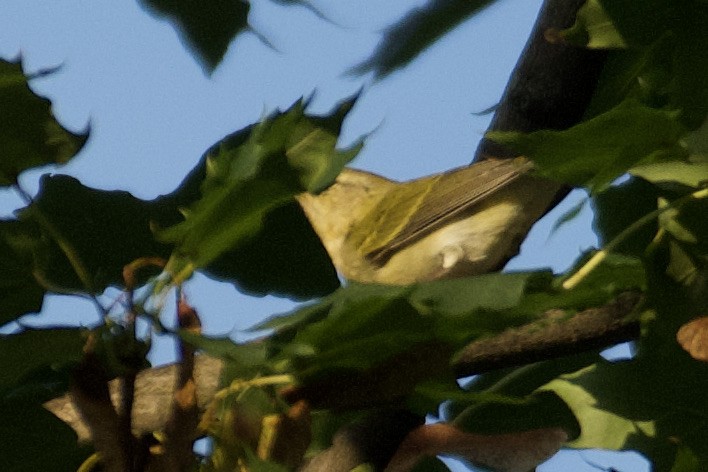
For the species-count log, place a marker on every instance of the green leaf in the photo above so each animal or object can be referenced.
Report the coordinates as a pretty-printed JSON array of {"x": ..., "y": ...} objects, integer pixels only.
[
  {"x": 620, "y": 23},
  {"x": 19, "y": 291},
  {"x": 656, "y": 400},
  {"x": 596, "y": 152},
  {"x": 264, "y": 264},
  {"x": 686, "y": 460},
  {"x": 30, "y": 136},
  {"x": 367, "y": 324},
  {"x": 600, "y": 427},
  {"x": 569, "y": 215},
  {"x": 504, "y": 415},
  {"x": 89, "y": 235},
  {"x": 613, "y": 215},
  {"x": 492, "y": 292},
  {"x": 32, "y": 349},
  {"x": 594, "y": 28},
  {"x": 642, "y": 74},
  {"x": 521, "y": 381},
  {"x": 253, "y": 173},
  {"x": 692, "y": 174},
  {"x": 260, "y": 264},
  {"x": 34, "y": 439},
  {"x": 616, "y": 273},
  {"x": 207, "y": 27},
  {"x": 417, "y": 30}
]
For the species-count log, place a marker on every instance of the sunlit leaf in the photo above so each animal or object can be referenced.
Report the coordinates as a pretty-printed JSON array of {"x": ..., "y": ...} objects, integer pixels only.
[
  {"x": 30, "y": 135},
  {"x": 599, "y": 427},
  {"x": 692, "y": 174},
  {"x": 593, "y": 28}
]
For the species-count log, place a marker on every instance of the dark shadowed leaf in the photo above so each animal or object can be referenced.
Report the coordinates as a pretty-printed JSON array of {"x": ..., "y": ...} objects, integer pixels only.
[
  {"x": 645, "y": 403},
  {"x": 19, "y": 291},
  {"x": 431, "y": 464},
  {"x": 261, "y": 265},
  {"x": 32, "y": 349},
  {"x": 643, "y": 25},
  {"x": 416, "y": 31},
  {"x": 373, "y": 344},
  {"x": 511, "y": 414},
  {"x": 207, "y": 27},
  {"x": 30, "y": 136},
  {"x": 101, "y": 230},
  {"x": 34, "y": 439},
  {"x": 612, "y": 214},
  {"x": 286, "y": 257}
]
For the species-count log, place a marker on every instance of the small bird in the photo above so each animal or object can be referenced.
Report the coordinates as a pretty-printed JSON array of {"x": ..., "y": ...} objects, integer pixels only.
[{"x": 466, "y": 221}]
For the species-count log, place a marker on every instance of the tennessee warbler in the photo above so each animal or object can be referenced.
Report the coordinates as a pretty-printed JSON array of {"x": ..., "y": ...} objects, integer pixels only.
[{"x": 466, "y": 221}]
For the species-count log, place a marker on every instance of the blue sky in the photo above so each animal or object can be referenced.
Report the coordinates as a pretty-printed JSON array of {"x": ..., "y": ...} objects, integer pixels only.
[{"x": 153, "y": 113}]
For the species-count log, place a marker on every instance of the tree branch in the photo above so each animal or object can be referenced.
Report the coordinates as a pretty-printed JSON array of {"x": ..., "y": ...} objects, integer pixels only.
[
  {"x": 547, "y": 338},
  {"x": 551, "y": 85},
  {"x": 154, "y": 390},
  {"x": 550, "y": 338}
]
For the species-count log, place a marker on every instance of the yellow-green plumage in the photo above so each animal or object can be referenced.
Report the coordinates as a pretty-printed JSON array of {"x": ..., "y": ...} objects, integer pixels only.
[
  {"x": 421, "y": 206},
  {"x": 462, "y": 222}
]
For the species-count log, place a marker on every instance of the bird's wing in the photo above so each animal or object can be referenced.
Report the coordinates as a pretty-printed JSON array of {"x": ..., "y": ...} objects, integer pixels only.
[{"x": 450, "y": 194}]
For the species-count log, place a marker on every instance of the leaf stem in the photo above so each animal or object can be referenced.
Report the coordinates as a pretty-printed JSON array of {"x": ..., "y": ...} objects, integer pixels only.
[{"x": 600, "y": 255}]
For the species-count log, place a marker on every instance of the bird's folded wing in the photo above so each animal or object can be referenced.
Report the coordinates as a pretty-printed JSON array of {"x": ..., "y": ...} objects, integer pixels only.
[{"x": 444, "y": 198}]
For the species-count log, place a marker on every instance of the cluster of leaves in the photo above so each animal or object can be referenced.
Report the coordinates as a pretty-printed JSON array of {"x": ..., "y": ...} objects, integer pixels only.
[
  {"x": 361, "y": 348},
  {"x": 647, "y": 119}
]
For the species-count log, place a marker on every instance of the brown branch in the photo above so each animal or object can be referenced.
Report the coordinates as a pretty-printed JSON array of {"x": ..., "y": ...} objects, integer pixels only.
[
  {"x": 511, "y": 452},
  {"x": 551, "y": 85},
  {"x": 590, "y": 329},
  {"x": 93, "y": 409},
  {"x": 154, "y": 389},
  {"x": 181, "y": 428},
  {"x": 550, "y": 338}
]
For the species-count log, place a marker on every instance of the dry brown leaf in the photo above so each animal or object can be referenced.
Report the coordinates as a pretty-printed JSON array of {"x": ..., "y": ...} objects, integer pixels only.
[
  {"x": 693, "y": 337},
  {"x": 512, "y": 452}
]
